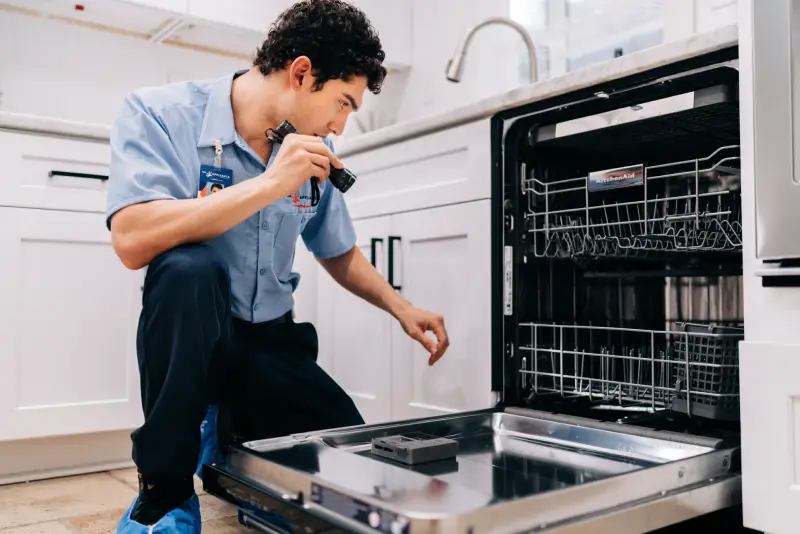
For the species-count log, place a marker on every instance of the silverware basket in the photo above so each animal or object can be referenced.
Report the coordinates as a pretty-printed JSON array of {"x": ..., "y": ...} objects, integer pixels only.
[{"x": 707, "y": 377}]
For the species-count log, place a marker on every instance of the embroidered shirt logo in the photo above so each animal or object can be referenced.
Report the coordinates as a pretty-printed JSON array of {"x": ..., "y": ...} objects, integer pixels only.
[{"x": 300, "y": 201}]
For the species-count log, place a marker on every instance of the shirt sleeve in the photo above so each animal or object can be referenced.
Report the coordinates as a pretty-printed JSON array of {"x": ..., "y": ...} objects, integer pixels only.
[
  {"x": 144, "y": 163},
  {"x": 330, "y": 232}
]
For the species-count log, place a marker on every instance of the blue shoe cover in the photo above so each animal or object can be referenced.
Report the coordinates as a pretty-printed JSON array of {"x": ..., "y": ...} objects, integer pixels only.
[
  {"x": 209, "y": 447},
  {"x": 182, "y": 520}
]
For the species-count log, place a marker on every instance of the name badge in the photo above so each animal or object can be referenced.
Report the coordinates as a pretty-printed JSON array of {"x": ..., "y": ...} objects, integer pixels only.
[{"x": 214, "y": 179}]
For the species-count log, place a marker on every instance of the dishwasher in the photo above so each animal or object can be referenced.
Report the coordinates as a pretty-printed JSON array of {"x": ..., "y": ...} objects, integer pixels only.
[{"x": 617, "y": 316}]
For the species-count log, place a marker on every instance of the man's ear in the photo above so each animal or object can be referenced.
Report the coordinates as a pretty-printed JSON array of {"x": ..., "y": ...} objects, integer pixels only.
[{"x": 300, "y": 73}]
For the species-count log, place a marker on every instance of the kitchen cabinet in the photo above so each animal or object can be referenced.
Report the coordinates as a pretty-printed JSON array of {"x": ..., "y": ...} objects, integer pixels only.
[
  {"x": 443, "y": 267},
  {"x": 437, "y": 169},
  {"x": 233, "y": 29},
  {"x": 305, "y": 296},
  {"x": 53, "y": 172},
  {"x": 771, "y": 429},
  {"x": 174, "y": 6},
  {"x": 392, "y": 20},
  {"x": 435, "y": 259},
  {"x": 355, "y": 337},
  {"x": 250, "y": 15},
  {"x": 68, "y": 320}
]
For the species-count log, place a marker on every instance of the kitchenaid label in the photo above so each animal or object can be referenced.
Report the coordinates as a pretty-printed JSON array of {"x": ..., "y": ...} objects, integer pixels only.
[
  {"x": 508, "y": 273},
  {"x": 614, "y": 178}
]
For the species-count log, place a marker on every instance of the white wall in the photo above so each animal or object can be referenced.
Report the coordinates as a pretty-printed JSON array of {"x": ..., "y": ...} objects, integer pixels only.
[{"x": 58, "y": 70}]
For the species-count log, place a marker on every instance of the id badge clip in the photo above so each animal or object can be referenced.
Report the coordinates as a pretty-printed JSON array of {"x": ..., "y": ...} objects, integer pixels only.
[{"x": 215, "y": 178}]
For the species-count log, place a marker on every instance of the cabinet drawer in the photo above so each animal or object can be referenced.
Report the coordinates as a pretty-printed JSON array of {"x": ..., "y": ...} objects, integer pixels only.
[
  {"x": 442, "y": 168},
  {"x": 39, "y": 171}
]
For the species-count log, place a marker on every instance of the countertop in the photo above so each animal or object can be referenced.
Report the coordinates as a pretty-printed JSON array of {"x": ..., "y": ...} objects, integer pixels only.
[{"x": 620, "y": 67}]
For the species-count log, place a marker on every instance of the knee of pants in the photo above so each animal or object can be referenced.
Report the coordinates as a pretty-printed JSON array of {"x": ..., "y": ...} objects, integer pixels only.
[{"x": 188, "y": 267}]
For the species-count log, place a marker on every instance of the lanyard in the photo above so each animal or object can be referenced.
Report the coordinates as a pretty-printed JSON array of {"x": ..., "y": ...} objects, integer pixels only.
[{"x": 218, "y": 154}]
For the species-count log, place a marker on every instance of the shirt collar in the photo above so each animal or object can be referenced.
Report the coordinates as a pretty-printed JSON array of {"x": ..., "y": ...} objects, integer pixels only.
[{"x": 218, "y": 119}]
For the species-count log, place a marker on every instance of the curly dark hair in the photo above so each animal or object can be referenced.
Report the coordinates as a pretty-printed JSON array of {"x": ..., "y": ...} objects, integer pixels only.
[{"x": 336, "y": 36}]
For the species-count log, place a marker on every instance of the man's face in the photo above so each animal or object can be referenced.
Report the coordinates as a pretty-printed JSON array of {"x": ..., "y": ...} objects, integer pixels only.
[{"x": 325, "y": 110}]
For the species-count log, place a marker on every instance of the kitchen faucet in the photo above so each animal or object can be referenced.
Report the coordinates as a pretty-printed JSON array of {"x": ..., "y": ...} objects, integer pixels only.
[{"x": 455, "y": 64}]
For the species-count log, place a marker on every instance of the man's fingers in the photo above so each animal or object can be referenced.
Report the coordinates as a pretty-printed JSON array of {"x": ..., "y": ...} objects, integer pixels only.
[
  {"x": 444, "y": 340},
  {"x": 322, "y": 163},
  {"x": 424, "y": 340},
  {"x": 317, "y": 146}
]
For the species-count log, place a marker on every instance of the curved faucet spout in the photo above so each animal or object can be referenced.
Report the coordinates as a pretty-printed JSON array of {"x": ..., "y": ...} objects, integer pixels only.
[{"x": 455, "y": 65}]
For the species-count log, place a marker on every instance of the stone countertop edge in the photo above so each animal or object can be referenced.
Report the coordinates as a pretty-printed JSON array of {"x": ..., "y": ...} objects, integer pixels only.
[
  {"x": 23, "y": 122},
  {"x": 695, "y": 45}
]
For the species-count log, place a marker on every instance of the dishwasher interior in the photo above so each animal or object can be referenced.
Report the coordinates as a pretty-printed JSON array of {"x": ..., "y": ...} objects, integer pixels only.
[
  {"x": 628, "y": 264},
  {"x": 617, "y": 312}
]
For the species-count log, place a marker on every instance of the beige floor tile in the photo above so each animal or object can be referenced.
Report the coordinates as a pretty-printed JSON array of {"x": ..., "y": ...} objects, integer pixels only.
[
  {"x": 51, "y": 527},
  {"x": 128, "y": 476},
  {"x": 96, "y": 524},
  {"x": 49, "y": 500},
  {"x": 228, "y": 525},
  {"x": 212, "y": 508}
]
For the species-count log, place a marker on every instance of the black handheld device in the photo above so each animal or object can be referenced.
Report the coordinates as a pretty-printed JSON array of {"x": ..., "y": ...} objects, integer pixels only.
[{"x": 342, "y": 179}]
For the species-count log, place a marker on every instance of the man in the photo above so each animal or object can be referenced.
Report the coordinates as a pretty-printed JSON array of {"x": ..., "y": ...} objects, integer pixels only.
[{"x": 216, "y": 325}]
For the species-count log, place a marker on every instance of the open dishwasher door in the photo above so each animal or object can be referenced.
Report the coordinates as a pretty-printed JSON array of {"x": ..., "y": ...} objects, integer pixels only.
[{"x": 515, "y": 471}]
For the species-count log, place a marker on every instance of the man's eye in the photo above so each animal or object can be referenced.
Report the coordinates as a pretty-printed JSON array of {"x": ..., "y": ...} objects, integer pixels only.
[{"x": 342, "y": 104}]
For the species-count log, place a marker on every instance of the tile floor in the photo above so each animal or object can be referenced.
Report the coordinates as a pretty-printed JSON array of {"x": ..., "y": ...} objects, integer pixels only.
[{"x": 91, "y": 504}]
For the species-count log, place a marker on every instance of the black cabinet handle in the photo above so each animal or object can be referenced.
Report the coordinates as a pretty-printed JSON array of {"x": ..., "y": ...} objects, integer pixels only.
[
  {"x": 392, "y": 239},
  {"x": 372, "y": 250},
  {"x": 79, "y": 175}
]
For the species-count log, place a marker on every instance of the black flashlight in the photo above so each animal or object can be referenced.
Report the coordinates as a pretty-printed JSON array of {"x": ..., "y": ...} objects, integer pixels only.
[{"x": 342, "y": 179}]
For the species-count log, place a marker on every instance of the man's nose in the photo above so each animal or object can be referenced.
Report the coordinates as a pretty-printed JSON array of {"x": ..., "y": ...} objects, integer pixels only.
[{"x": 337, "y": 127}]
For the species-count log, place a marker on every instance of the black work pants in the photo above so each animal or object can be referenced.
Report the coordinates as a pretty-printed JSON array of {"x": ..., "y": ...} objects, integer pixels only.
[{"x": 192, "y": 353}]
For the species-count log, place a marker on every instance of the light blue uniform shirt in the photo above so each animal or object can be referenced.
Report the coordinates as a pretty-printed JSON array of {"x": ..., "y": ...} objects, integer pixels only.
[{"x": 159, "y": 140}]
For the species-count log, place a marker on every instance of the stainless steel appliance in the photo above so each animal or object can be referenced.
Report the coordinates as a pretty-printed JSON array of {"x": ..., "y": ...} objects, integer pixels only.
[{"x": 618, "y": 313}]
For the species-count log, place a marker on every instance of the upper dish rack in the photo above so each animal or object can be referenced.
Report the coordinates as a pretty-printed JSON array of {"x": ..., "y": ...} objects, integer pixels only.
[{"x": 639, "y": 210}]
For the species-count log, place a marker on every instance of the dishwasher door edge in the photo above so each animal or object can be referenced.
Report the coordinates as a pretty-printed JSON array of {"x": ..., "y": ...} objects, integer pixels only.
[{"x": 659, "y": 512}]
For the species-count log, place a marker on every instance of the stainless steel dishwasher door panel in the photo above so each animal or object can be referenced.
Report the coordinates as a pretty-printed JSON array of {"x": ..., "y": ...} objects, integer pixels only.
[{"x": 513, "y": 473}]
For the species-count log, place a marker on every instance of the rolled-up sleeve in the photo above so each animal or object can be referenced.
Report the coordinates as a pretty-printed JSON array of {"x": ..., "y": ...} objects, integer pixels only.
[
  {"x": 144, "y": 163},
  {"x": 330, "y": 232}
]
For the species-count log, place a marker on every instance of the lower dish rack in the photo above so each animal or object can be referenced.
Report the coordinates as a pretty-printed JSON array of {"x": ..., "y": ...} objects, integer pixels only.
[{"x": 692, "y": 368}]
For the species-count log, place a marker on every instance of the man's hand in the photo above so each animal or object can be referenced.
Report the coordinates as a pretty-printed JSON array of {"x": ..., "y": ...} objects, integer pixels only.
[
  {"x": 355, "y": 273},
  {"x": 300, "y": 158},
  {"x": 416, "y": 322}
]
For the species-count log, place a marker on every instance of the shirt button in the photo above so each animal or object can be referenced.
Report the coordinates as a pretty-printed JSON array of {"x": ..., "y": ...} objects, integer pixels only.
[
  {"x": 263, "y": 271},
  {"x": 255, "y": 307},
  {"x": 265, "y": 225}
]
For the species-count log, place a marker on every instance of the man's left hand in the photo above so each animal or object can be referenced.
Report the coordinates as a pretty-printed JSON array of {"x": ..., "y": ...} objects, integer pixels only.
[{"x": 416, "y": 322}]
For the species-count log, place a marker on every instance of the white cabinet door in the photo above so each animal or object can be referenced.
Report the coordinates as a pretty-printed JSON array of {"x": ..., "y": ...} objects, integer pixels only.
[
  {"x": 442, "y": 264},
  {"x": 354, "y": 336},
  {"x": 305, "y": 297},
  {"x": 68, "y": 317},
  {"x": 770, "y": 418}
]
